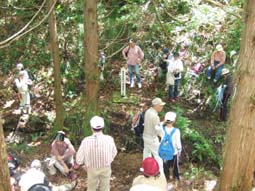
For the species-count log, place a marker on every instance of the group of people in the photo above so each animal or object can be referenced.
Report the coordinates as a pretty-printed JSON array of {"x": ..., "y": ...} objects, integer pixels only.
[
  {"x": 157, "y": 154},
  {"x": 172, "y": 67},
  {"x": 162, "y": 145},
  {"x": 97, "y": 152}
]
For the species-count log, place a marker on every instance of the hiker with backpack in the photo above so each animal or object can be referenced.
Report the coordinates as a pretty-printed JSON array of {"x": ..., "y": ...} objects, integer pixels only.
[
  {"x": 138, "y": 123},
  {"x": 152, "y": 179},
  {"x": 134, "y": 56},
  {"x": 170, "y": 146},
  {"x": 150, "y": 135},
  {"x": 22, "y": 83}
]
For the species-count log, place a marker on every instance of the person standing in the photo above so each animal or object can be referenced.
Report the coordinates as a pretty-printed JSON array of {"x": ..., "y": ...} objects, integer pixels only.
[
  {"x": 167, "y": 128},
  {"x": 228, "y": 83},
  {"x": 175, "y": 67},
  {"x": 62, "y": 152},
  {"x": 22, "y": 83},
  {"x": 217, "y": 62},
  {"x": 20, "y": 67},
  {"x": 150, "y": 138},
  {"x": 134, "y": 56},
  {"x": 97, "y": 152}
]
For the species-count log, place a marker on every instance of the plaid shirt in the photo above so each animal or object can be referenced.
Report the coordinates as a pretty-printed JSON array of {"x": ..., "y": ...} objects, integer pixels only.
[{"x": 96, "y": 151}]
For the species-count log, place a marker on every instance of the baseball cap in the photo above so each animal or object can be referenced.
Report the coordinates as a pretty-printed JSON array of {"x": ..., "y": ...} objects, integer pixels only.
[
  {"x": 19, "y": 66},
  {"x": 219, "y": 47},
  {"x": 224, "y": 71},
  {"x": 36, "y": 164},
  {"x": 97, "y": 122},
  {"x": 157, "y": 101},
  {"x": 170, "y": 116},
  {"x": 150, "y": 167}
]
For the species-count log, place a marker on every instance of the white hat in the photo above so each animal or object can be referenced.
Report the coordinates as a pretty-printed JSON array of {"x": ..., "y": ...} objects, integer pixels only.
[
  {"x": 170, "y": 116},
  {"x": 36, "y": 164},
  {"x": 224, "y": 71},
  {"x": 97, "y": 122},
  {"x": 19, "y": 66},
  {"x": 219, "y": 47},
  {"x": 157, "y": 101},
  {"x": 232, "y": 53}
]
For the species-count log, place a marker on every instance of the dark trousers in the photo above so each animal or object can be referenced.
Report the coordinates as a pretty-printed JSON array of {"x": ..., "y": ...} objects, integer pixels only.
[
  {"x": 174, "y": 163},
  {"x": 173, "y": 89},
  {"x": 224, "y": 107}
]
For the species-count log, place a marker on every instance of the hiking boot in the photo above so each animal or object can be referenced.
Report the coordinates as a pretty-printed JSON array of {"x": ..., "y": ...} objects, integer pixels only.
[{"x": 139, "y": 85}]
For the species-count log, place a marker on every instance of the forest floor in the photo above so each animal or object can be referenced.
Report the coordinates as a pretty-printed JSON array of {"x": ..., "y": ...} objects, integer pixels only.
[{"x": 128, "y": 161}]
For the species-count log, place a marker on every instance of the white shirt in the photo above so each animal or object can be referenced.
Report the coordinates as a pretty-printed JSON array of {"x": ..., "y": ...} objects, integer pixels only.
[
  {"x": 22, "y": 84},
  {"x": 176, "y": 138},
  {"x": 174, "y": 65},
  {"x": 30, "y": 178}
]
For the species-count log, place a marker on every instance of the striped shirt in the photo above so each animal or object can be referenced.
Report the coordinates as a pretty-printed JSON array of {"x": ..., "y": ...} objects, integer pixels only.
[{"x": 96, "y": 151}]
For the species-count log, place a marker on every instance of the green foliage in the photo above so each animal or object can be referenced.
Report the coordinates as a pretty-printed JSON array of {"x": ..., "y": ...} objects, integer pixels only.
[
  {"x": 177, "y": 7},
  {"x": 201, "y": 148},
  {"x": 22, "y": 148},
  {"x": 195, "y": 172}
]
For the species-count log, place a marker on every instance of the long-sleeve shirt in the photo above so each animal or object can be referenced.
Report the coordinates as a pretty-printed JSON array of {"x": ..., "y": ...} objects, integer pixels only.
[
  {"x": 175, "y": 66},
  {"x": 158, "y": 182},
  {"x": 32, "y": 177},
  {"x": 65, "y": 149},
  {"x": 96, "y": 151},
  {"x": 133, "y": 54},
  {"x": 176, "y": 138},
  {"x": 22, "y": 84},
  {"x": 151, "y": 119}
]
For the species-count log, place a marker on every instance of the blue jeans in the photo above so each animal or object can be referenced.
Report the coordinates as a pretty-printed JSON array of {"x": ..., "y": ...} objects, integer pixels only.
[
  {"x": 173, "y": 89},
  {"x": 134, "y": 69},
  {"x": 218, "y": 71}
]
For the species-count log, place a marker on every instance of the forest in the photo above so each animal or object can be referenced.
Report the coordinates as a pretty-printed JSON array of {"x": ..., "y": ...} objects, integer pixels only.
[{"x": 76, "y": 61}]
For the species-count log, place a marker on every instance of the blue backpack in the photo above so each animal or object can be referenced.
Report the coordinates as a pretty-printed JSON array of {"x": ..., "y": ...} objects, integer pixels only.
[{"x": 166, "y": 148}]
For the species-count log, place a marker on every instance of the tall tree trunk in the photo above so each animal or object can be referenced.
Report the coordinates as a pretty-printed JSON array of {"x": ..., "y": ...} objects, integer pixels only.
[
  {"x": 239, "y": 155},
  {"x": 91, "y": 59},
  {"x": 59, "y": 121},
  {"x": 4, "y": 171}
]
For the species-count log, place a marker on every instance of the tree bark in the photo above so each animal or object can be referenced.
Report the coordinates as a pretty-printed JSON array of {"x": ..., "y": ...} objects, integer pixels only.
[
  {"x": 91, "y": 59},
  {"x": 4, "y": 171},
  {"x": 239, "y": 155},
  {"x": 59, "y": 120}
]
